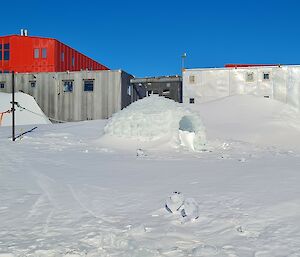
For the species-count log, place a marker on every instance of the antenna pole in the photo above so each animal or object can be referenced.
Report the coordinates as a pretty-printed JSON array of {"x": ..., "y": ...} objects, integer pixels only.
[{"x": 13, "y": 106}]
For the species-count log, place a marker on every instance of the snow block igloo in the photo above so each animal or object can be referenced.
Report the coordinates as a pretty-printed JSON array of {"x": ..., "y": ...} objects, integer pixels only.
[{"x": 154, "y": 118}]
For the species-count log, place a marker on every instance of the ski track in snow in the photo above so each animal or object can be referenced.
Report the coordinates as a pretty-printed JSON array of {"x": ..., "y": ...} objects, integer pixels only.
[{"x": 52, "y": 206}]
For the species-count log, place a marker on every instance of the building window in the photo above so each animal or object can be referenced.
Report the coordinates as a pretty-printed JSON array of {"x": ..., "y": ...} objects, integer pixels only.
[
  {"x": 88, "y": 85},
  {"x": 6, "y": 55},
  {"x": 36, "y": 53},
  {"x": 2, "y": 85},
  {"x": 192, "y": 79},
  {"x": 129, "y": 90},
  {"x": 73, "y": 61},
  {"x": 192, "y": 100},
  {"x": 6, "y": 71},
  {"x": 6, "y": 46},
  {"x": 0, "y": 55},
  {"x": 68, "y": 85},
  {"x": 62, "y": 56},
  {"x": 0, "y": 47},
  {"x": 266, "y": 76},
  {"x": 33, "y": 84},
  {"x": 44, "y": 53},
  {"x": 249, "y": 76}
]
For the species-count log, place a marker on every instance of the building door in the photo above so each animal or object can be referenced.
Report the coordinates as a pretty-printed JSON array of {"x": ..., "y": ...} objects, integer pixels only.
[{"x": 88, "y": 100}]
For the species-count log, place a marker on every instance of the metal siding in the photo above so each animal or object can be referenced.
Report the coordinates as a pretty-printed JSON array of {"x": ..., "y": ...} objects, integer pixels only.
[
  {"x": 22, "y": 56},
  {"x": 211, "y": 84},
  {"x": 105, "y": 100},
  {"x": 126, "y": 99}
]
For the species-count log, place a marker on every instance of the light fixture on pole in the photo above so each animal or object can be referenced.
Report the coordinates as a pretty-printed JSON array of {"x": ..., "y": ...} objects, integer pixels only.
[{"x": 182, "y": 61}]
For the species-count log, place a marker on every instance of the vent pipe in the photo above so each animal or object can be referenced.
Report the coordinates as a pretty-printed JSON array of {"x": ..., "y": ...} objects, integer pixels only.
[{"x": 24, "y": 32}]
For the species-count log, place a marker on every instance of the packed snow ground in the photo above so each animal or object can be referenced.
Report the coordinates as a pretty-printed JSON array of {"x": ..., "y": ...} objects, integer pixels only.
[{"x": 64, "y": 192}]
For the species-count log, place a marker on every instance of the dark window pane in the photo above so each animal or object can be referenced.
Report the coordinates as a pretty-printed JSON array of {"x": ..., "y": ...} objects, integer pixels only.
[
  {"x": 6, "y": 71},
  {"x": 0, "y": 46},
  {"x": 2, "y": 85},
  {"x": 6, "y": 55},
  {"x": 32, "y": 83},
  {"x": 266, "y": 76},
  {"x": 6, "y": 46},
  {"x": 68, "y": 86},
  {"x": 44, "y": 53},
  {"x": 0, "y": 55},
  {"x": 192, "y": 100},
  {"x": 88, "y": 85},
  {"x": 36, "y": 53}
]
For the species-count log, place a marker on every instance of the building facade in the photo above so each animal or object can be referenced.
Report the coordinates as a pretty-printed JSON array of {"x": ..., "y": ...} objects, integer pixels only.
[
  {"x": 167, "y": 86},
  {"x": 75, "y": 96},
  {"x": 280, "y": 82},
  {"x": 22, "y": 53}
]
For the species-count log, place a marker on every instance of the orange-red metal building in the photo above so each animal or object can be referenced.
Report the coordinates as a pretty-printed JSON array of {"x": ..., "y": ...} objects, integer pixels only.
[{"x": 21, "y": 53}]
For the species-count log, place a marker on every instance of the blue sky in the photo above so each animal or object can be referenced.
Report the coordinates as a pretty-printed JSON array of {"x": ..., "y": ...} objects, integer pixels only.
[{"x": 147, "y": 38}]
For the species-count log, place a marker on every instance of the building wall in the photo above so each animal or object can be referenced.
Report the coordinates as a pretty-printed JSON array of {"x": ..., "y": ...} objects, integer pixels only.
[
  {"x": 168, "y": 86},
  {"x": 108, "y": 95},
  {"x": 35, "y": 54},
  {"x": 63, "y": 59},
  {"x": 204, "y": 85}
]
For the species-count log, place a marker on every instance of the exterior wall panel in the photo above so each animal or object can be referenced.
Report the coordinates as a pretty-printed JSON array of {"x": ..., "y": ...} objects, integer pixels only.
[
  {"x": 22, "y": 57},
  {"x": 101, "y": 103},
  {"x": 204, "y": 85}
]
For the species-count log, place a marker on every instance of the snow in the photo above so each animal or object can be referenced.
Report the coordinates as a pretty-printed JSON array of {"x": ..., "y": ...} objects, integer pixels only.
[
  {"x": 174, "y": 202},
  {"x": 155, "y": 118},
  {"x": 64, "y": 192},
  {"x": 22, "y": 117}
]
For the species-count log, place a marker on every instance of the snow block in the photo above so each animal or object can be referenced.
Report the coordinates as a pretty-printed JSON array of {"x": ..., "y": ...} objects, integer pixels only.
[{"x": 154, "y": 118}]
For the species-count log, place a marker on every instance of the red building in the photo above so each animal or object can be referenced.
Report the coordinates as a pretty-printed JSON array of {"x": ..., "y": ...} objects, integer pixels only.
[{"x": 36, "y": 54}]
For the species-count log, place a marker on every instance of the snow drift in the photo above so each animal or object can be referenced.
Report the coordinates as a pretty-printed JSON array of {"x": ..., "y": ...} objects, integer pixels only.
[
  {"x": 33, "y": 114},
  {"x": 155, "y": 118},
  {"x": 256, "y": 120}
]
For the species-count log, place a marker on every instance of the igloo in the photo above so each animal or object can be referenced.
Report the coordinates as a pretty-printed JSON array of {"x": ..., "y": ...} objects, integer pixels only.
[{"x": 154, "y": 118}]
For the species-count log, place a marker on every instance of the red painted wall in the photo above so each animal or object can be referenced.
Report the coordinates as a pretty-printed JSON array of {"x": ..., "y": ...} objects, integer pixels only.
[{"x": 22, "y": 58}]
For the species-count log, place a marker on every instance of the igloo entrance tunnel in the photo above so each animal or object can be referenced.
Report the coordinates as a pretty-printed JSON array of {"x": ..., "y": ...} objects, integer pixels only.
[{"x": 154, "y": 118}]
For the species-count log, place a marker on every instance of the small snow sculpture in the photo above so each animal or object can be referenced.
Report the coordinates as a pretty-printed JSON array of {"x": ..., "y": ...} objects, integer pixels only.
[
  {"x": 187, "y": 208},
  {"x": 190, "y": 210},
  {"x": 140, "y": 153},
  {"x": 174, "y": 202}
]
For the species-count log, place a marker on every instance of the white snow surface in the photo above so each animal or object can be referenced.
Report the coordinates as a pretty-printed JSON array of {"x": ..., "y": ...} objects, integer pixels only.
[
  {"x": 65, "y": 193},
  {"x": 156, "y": 118},
  {"x": 22, "y": 117}
]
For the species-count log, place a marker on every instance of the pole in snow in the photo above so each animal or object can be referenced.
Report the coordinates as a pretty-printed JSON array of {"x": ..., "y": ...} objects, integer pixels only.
[{"x": 13, "y": 106}]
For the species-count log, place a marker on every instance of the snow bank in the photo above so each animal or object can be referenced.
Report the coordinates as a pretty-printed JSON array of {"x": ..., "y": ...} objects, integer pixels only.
[
  {"x": 154, "y": 118},
  {"x": 257, "y": 120},
  {"x": 23, "y": 117}
]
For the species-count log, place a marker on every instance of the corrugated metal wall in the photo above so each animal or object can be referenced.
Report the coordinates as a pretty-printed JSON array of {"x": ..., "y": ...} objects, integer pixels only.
[
  {"x": 204, "y": 85},
  {"x": 108, "y": 96}
]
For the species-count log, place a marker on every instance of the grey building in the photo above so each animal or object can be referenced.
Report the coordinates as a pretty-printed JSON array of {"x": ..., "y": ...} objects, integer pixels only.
[
  {"x": 167, "y": 86},
  {"x": 75, "y": 96}
]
